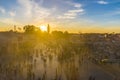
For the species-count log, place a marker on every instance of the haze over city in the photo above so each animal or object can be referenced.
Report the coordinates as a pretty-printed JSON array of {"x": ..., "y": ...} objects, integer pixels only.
[{"x": 72, "y": 15}]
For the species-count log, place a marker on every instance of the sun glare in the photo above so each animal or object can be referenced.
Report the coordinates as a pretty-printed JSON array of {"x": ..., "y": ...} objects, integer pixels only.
[{"x": 43, "y": 28}]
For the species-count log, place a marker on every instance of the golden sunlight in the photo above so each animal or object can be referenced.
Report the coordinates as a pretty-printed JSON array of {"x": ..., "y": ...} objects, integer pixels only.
[{"x": 43, "y": 28}]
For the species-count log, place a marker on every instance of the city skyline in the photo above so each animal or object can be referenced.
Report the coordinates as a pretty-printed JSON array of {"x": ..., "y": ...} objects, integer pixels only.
[{"x": 71, "y": 15}]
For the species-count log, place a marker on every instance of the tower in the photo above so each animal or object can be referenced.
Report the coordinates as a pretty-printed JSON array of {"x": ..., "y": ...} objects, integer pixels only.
[
  {"x": 14, "y": 27},
  {"x": 48, "y": 28}
]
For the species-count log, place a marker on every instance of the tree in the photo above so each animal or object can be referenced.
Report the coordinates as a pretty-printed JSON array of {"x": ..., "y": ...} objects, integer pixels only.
[
  {"x": 57, "y": 33},
  {"x": 66, "y": 34},
  {"x": 29, "y": 28},
  {"x": 60, "y": 34}
]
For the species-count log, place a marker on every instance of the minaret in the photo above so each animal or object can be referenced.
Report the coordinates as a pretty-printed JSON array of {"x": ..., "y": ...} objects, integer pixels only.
[
  {"x": 48, "y": 28},
  {"x": 14, "y": 27}
]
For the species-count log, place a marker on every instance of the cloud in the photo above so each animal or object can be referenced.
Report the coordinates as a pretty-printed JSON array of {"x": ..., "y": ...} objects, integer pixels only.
[
  {"x": 12, "y": 13},
  {"x": 9, "y": 21},
  {"x": 66, "y": 17},
  {"x": 102, "y": 2},
  {"x": 71, "y": 14},
  {"x": 37, "y": 12},
  {"x": 76, "y": 11},
  {"x": 2, "y": 10},
  {"x": 29, "y": 11},
  {"x": 77, "y": 5},
  {"x": 33, "y": 12},
  {"x": 26, "y": 12}
]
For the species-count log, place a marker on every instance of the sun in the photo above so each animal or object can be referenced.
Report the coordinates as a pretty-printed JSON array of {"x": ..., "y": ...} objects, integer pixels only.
[{"x": 43, "y": 28}]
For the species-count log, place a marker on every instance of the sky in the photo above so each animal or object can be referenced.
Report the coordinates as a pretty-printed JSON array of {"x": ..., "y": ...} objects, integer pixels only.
[{"x": 71, "y": 15}]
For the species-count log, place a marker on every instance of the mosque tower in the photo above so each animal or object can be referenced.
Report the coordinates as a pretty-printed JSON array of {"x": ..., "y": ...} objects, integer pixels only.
[{"x": 48, "y": 28}]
